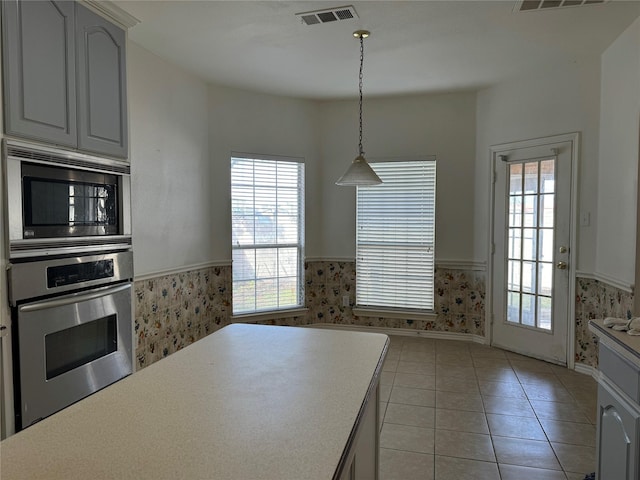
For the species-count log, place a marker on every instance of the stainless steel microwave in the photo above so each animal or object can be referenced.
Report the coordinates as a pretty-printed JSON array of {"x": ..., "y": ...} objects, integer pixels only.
[{"x": 61, "y": 202}]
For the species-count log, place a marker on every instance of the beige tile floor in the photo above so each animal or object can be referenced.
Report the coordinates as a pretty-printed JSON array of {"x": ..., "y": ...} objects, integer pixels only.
[{"x": 453, "y": 410}]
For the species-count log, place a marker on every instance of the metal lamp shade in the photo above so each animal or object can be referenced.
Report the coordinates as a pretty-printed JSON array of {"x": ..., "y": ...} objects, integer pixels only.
[{"x": 359, "y": 173}]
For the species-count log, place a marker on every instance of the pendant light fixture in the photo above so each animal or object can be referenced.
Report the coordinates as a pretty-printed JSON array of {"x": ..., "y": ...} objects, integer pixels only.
[{"x": 360, "y": 172}]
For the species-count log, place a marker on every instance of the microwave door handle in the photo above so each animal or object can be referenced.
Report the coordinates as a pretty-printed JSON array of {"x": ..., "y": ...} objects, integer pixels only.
[{"x": 69, "y": 300}]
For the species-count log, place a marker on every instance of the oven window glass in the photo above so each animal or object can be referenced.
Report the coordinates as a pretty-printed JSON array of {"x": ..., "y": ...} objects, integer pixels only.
[
  {"x": 73, "y": 204},
  {"x": 76, "y": 346},
  {"x": 66, "y": 202}
]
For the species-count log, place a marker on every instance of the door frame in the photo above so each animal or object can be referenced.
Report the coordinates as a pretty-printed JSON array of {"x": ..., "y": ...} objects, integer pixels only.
[{"x": 501, "y": 149}]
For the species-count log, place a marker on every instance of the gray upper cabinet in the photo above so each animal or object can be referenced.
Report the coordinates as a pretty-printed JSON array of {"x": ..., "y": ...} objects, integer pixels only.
[
  {"x": 102, "y": 97},
  {"x": 39, "y": 70},
  {"x": 64, "y": 76}
]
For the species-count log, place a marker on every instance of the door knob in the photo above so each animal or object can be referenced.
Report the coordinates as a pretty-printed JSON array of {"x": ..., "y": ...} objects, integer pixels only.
[{"x": 562, "y": 265}]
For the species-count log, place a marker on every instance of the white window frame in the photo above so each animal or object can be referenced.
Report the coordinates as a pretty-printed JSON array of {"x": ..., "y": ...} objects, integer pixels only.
[
  {"x": 375, "y": 285},
  {"x": 288, "y": 309}
]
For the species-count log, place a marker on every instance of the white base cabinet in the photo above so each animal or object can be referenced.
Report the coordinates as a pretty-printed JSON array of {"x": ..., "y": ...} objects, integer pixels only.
[
  {"x": 363, "y": 460},
  {"x": 618, "y": 436},
  {"x": 618, "y": 433}
]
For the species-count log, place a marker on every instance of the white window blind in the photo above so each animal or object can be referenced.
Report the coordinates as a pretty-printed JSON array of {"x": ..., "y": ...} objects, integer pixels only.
[
  {"x": 267, "y": 201},
  {"x": 396, "y": 235}
]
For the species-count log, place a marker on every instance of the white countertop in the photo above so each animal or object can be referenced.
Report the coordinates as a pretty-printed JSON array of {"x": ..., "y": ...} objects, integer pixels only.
[
  {"x": 247, "y": 402},
  {"x": 626, "y": 345}
]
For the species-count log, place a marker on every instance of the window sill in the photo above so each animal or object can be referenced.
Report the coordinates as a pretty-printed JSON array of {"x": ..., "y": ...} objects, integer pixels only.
[
  {"x": 270, "y": 315},
  {"x": 389, "y": 313}
]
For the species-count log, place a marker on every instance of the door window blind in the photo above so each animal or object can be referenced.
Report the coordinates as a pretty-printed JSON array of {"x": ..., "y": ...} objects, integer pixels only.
[
  {"x": 267, "y": 223},
  {"x": 396, "y": 236}
]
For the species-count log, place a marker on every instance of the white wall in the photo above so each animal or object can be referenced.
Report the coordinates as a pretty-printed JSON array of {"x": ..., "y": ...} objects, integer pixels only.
[
  {"x": 543, "y": 103},
  {"x": 618, "y": 162},
  {"x": 171, "y": 194},
  {"x": 247, "y": 122},
  {"x": 441, "y": 125}
]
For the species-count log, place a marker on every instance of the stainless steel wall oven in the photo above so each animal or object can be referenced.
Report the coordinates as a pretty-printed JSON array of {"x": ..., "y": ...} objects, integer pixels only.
[
  {"x": 70, "y": 275},
  {"x": 72, "y": 329}
]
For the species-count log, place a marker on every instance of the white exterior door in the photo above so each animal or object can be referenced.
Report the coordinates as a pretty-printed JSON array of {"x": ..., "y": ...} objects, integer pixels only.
[{"x": 532, "y": 221}]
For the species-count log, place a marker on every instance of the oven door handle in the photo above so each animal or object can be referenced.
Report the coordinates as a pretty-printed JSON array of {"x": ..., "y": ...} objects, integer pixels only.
[{"x": 71, "y": 299}]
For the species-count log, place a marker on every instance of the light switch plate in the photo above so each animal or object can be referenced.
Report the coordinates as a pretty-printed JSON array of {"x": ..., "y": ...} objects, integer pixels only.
[{"x": 585, "y": 219}]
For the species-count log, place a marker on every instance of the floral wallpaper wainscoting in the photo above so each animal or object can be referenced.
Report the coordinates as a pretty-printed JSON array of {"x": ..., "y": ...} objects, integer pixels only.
[
  {"x": 326, "y": 283},
  {"x": 459, "y": 302},
  {"x": 173, "y": 311},
  {"x": 596, "y": 299}
]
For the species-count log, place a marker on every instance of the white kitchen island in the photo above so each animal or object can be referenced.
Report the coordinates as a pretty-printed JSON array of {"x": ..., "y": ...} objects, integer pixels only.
[{"x": 247, "y": 402}]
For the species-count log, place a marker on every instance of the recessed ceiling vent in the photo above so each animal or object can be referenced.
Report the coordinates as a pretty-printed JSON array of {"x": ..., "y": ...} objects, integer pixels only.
[
  {"x": 328, "y": 15},
  {"x": 529, "y": 5}
]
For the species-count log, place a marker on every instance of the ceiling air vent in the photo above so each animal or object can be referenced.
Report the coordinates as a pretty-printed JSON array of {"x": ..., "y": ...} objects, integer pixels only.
[
  {"x": 328, "y": 15},
  {"x": 531, "y": 5}
]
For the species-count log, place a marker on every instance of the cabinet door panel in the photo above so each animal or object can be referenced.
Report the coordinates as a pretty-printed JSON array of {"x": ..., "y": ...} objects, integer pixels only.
[
  {"x": 618, "y": 432},
  {"x": 39, "y": 70},
  {"x": 102, "y": 97}
]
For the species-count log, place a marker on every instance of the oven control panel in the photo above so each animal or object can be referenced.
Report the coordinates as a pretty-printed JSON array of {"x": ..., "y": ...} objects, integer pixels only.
[
  {"x": 44, "y": 277},
  {"x": 79, "y": 272}
]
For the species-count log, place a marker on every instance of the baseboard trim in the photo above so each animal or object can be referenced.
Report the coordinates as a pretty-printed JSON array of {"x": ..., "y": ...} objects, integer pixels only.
[
  {"x": 405, "y": 332},
  {"x": 587, "y": 370}
]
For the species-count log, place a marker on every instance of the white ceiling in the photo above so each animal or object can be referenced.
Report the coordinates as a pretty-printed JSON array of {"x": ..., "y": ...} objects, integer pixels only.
[{"x": 415, "y": 46}]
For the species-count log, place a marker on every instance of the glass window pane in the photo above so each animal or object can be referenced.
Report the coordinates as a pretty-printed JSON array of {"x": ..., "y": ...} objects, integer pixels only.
[
  {"x": 513, "y": 275},
  {"x": 545, "y": 244},
  {"x": 547, "y": 210},
  {"x": 288, "y": 288},
  {"x": 244, "y": 262},
  {"x": 265, "y": 231},
  {"x": 531, "y": 177},
  {"x": 242, "y": 200},
  {"x": 266, "y": 198},
  {"x": 287, "y": 262},
  {"x": 287, "y": 229},
  {"x": 267, "y": 294},
  {"x": 529, "y": 244},
  {"x": 547, "y": 176},
  {"x": 515, "y": 240},
  {"x": 530, "y": 210},
  {"x": 264, "y": 173},
  {"x": 529, "y": 310},
  {"x": 242, "y": 232},
  {"x": 515, "y": 179},
  {"x": 515, "y": 211},
  {"x": 244, "y": 296},
  {"x": 529, "y": 272},
  {"x": 266, "y": 262},
  {"x": 287, "y": 204},
  {"x": 545, "y": 279},
  {"x": 513, "y": 307},
  {"x": 544, "y": 312}
]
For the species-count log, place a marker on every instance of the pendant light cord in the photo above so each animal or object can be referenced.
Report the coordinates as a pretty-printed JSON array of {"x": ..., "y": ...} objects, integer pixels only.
[{"x": 360, "y": 88}]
